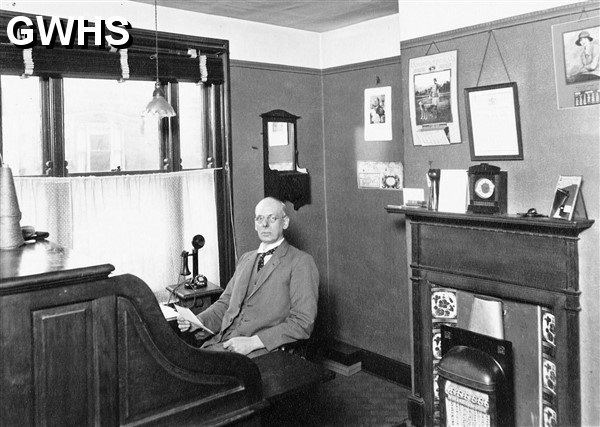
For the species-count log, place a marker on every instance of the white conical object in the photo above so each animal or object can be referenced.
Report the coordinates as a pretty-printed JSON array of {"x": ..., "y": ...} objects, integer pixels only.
[
  {"x": 486, "y": 317},
  {"x": 11, "y": 235}
]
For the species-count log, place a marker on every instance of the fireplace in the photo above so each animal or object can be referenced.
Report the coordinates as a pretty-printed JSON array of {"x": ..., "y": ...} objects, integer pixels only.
[{"x": 530, "y": 265}]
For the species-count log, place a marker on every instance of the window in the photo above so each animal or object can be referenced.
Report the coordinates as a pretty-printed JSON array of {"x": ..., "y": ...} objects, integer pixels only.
[
  {"x": 192, "y": 126},
  {"x": 22, "y": 144},
  {"x": 105, "y": 130},
  {"x": 72, "y": 117}
]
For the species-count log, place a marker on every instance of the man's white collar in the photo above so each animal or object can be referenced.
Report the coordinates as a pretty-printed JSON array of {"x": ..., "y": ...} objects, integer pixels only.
[{"x": 264, "y": 247}]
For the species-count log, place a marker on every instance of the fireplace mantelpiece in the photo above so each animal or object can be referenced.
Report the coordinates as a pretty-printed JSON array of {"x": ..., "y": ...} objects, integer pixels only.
[{"x": 527, "y": 260}]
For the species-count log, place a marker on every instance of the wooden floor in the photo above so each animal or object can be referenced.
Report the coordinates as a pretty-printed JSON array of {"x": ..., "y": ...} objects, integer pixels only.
[{"x": 358, "y": 400}]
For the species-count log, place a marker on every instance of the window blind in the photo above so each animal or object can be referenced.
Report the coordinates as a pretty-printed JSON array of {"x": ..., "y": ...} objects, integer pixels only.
[{"x": 178, "y": 56}]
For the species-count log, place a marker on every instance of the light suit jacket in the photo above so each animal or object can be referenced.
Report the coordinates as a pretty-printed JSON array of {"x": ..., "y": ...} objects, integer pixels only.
[{"x": 283, "y": 305}]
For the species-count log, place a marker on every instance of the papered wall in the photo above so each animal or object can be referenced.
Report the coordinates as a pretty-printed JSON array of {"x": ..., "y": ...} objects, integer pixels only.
[
  {"x": 369, "y": 305},
  {"x": 359, "y": 250},
  {"x": 555, "y": 142}
]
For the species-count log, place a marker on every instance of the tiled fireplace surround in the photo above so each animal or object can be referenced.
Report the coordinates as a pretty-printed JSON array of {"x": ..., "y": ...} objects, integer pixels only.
[{"x": 531, "y": 264}]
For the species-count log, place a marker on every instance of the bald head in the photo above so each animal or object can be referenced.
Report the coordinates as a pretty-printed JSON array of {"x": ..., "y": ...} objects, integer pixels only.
[
  {"x": 270, "y": 219},
  {"x": 271, "y": 202}
]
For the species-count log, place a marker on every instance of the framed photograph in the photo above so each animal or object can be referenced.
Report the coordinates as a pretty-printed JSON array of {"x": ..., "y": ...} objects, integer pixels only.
[
  {"x": 378, "y": 114},
  {"x": 566, "y": 197},
  {"x": 576, "y": 62},
  {"x": 494, "y": 122}
]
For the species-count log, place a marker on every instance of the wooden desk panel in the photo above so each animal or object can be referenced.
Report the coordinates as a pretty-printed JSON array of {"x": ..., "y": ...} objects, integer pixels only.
[{"x": 79, "y": 347}]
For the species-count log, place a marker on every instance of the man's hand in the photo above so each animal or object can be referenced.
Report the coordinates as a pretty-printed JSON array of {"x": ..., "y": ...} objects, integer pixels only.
[
  {"x": 243, "y": 345},
  {"x": 185, "y": 325}
]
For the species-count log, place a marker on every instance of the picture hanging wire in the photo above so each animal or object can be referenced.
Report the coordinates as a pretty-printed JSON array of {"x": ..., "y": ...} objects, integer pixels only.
[
  {"x": 491, "y": 34},
  {"x": 429, "y": 48},
  {"x": 583, "y": 12}
]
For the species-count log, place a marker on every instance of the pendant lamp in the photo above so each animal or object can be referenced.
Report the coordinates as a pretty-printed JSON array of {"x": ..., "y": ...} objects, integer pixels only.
[{"x": 158, "y": 107}]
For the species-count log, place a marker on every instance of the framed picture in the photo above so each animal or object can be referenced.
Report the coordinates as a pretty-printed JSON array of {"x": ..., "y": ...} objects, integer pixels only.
[
  {"x": 494, "y": 122},
  {"x": 433, "y": 100},
  {"x": 378, "y": 114},
  {"x": 566, "y": 197},
  {"x": 576, "y": 69}
]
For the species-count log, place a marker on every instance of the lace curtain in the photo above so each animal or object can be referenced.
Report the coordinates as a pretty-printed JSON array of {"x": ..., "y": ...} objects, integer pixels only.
[{"x": 138, "y": 223}]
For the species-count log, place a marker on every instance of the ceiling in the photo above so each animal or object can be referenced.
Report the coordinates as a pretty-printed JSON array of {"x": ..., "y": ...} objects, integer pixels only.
[{"x": 309, "y": 15}]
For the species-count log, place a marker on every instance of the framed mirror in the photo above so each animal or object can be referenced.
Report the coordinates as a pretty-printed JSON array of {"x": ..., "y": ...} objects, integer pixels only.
[
  {"x": 282, "y": 146},
  {"x": 284, "y": 179},
  {"x": 279, "y": 134}
]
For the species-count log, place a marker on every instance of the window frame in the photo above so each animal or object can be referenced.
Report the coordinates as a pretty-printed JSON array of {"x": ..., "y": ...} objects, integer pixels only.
[
  {"x": 174, "y": 52},
  {"x": 176, "y": 65},
  {"x": 53, "y": 136}
]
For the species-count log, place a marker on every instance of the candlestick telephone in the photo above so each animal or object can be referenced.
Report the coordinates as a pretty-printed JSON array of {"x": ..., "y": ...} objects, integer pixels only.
[{"x": 197, "y": 280}]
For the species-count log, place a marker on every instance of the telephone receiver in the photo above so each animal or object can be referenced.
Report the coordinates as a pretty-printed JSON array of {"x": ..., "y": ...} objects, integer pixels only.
[{"x": 197, "y": 280}]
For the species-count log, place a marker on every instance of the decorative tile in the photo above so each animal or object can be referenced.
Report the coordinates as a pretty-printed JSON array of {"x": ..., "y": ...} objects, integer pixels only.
[
  {"x": 548, "y": 325},
  {"x": 550, "y": 418},
  {"x": 443, "y": 304},
  {"x": 549, "y": 376},
  {"x": 436, "y": 344}
]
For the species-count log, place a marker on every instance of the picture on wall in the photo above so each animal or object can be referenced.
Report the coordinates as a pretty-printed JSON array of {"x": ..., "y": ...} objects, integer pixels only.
[
  {"x": 380, "y": 175},
  {"x": 576, "y": 48},
  {"x": 433, "y": 99},
  {"x": 378, "y": 114},
  {"x": 494, "y": 122}
]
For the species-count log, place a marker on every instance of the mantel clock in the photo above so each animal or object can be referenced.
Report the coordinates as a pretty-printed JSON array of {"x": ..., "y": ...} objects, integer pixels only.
[{"x": 487, "y": 189}]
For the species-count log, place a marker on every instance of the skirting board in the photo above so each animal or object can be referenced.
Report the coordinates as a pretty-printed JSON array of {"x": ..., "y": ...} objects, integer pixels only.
[
  {"x": 382, "y": 366},
  {"x": 387, "y": 368}
]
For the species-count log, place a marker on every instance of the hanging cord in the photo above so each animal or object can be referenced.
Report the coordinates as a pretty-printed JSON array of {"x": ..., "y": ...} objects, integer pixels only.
[
  {"x": 583, "y": 12},
  {"x": 156, "y": 38},
  {"x": 491, "y": 34},
  {"x": 429, "y": 48}
]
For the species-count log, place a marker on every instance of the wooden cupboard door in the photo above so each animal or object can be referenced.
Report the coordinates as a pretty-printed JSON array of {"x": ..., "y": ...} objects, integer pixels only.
[{"x": 71, "y": 365}]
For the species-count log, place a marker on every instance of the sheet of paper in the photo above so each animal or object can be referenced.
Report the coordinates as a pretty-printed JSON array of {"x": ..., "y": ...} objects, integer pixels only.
[
  {"x": 188, "y": 315},
  {"x": 431, "y": 137},
  {"x": 168, "y": 312},
  {"x": 453, "y": 191}
]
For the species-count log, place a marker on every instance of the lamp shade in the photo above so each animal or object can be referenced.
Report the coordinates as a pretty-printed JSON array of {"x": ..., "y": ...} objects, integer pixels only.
[
  {"x": 158, "y": 106},
  {"x": 11, "y": 235}
]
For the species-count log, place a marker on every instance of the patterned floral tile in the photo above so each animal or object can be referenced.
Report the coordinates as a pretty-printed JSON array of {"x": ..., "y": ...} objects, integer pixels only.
[
  {"x": 549, "y": 376},
  {"x": 548, "y": 328},
  {"x": 443, "y": 303},
  {"x": 550, "y": 418}
]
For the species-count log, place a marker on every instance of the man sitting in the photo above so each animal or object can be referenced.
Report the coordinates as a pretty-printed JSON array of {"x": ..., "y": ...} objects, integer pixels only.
[{"x": 272, "y": 297}]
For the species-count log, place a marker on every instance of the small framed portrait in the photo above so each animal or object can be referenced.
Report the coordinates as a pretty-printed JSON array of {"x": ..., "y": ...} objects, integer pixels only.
[
  {"x": 576, "y": 48},
  {"x": 566, "y": 197}
]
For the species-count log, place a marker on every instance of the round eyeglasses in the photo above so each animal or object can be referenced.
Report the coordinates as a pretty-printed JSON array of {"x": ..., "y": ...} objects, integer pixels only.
[{"x": 270, "y": 218}]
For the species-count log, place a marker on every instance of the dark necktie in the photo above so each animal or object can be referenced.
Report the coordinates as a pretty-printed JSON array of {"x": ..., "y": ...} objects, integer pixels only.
[{"x": 261, "y": 258}]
